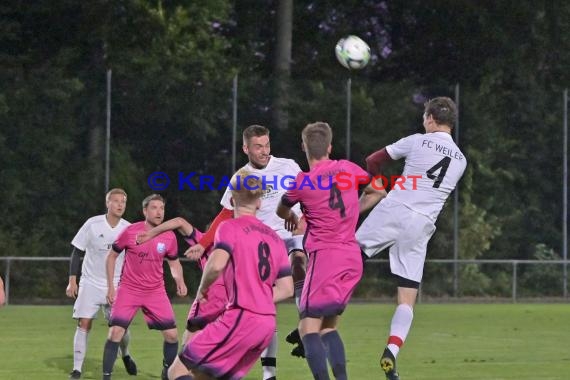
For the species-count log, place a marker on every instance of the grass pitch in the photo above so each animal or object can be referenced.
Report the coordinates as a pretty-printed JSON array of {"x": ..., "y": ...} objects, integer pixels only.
[{"x": 447, "y": 341}]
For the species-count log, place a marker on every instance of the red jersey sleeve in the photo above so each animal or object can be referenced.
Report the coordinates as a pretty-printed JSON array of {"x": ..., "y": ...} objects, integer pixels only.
[{"x": 208, "y": 237}]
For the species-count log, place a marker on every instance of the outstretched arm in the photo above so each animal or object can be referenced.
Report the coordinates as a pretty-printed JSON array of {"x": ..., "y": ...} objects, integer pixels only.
[
  {"x": 208, "y": 238},
  {"x": 178, "y": 223},
  {"x": 372, "y": 194},
  {"x": 196, "y": 251},
  {"x": 376, "y": 161}
]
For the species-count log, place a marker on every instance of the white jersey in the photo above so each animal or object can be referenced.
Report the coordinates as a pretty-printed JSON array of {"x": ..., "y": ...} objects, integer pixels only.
[
  {"x": 434, "y": 165},
  {"x": 278, "y": 176},
  {"x": 96, "y": 237}
]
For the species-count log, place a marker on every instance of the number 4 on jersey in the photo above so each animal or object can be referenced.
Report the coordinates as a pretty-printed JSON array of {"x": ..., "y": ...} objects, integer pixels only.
[
  {"x": 443, "y": 165},
  {"x": 335, "y": 200}
]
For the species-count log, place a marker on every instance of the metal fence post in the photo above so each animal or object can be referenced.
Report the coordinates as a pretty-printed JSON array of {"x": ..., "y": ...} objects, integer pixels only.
[
  {"x": 515, "y": 266},
  {"x": 565, "y": 195},
  {"x": 7, "y": 281},
  {"x": 456, "y": 207}
]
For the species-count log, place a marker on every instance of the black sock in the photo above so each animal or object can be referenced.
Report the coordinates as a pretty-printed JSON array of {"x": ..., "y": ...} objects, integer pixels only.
[
  {"x": 184, "y": 377},
  {"x": 316, "y": 356},
  {"x": 109, "y": 356},
  {"x": 169, "y": 350},
  {"x": 335, "y": 353}
]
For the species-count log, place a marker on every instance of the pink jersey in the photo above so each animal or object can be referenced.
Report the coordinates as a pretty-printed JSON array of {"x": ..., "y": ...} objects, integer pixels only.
[
  {"x": 329, "y": 199},
  {"x": 194, "y": 237},
  {"x": 143, "y": 262},
  {"x": 192, "y": 240},
  {"x": 257, "y": 258}
]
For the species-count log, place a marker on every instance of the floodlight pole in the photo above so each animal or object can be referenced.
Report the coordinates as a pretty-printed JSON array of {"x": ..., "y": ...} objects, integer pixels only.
[
  {"x": 108, "y": 133},
  {"x": 234, "y": 121},
  {"x": 565, "y": 192},
  {"x": 348, "y": 106},
  {"x": 456, "y": 207}
]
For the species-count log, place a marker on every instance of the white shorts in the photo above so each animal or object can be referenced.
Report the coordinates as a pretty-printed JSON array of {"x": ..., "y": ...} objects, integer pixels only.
[
  {"x": 294, "y": 243},
  {"x": 90, "y": 299},
  {"x": 392, "y": 225}
]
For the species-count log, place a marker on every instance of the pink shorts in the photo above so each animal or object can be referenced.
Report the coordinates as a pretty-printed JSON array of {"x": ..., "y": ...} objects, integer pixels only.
[
  {"x": 332, "y": 276},
  {"x": 202, "y": 313},
  {"x": 228, "y": 347},
  {"x": 155, "y": 306}
]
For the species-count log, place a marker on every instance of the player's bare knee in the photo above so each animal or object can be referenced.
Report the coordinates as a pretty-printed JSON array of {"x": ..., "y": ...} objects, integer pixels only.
[
  {"x": 84, "y": 324},
  {"x": 170, "y": 335},
  {"x": 116, "y": 333}
]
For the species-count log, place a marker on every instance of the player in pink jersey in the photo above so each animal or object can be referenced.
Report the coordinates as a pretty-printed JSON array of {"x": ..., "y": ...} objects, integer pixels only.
[
  {"x": 256, "y": 271},
  {"x": 2, "y": 293},
  {"x": 142, "y": 284},
  {"x": 328, "y": 194},
  {"x": 201, "y": 313},
  {"x": 276, "y": 174},
  {"x": 405, "y": 221}
]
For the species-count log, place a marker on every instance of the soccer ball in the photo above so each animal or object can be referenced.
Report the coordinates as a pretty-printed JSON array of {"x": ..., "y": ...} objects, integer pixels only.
[{"x": 352, "y": 52}]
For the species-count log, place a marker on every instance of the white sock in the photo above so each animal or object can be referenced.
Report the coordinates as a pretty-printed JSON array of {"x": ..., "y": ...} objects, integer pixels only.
[
  {"x": 79, "y": 348},
  {"x": 400, "y": 327},
  {"x": 124, "y": 344},
  {"x": 269, "y": 358},
  {"x": 394, "y": 349}
]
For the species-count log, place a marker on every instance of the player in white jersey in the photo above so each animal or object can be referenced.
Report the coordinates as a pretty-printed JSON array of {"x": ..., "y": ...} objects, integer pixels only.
[
  {"x": 93, "y": 240},
  {"x": 277, "y": 175},
  {"x": 405, "y": 220}
]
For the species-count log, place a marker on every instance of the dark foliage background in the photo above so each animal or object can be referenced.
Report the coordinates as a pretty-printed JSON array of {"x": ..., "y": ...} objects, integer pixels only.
[{"x": 173, "y": 63}]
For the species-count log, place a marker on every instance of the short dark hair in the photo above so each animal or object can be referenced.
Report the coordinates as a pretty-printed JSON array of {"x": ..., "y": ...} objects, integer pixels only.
[
  {"x": 254, "y": 131},
  {"x": 152, "y": 197},
  {"x": 443, "y": 110},
  {"x": 317, "y": 138}
]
